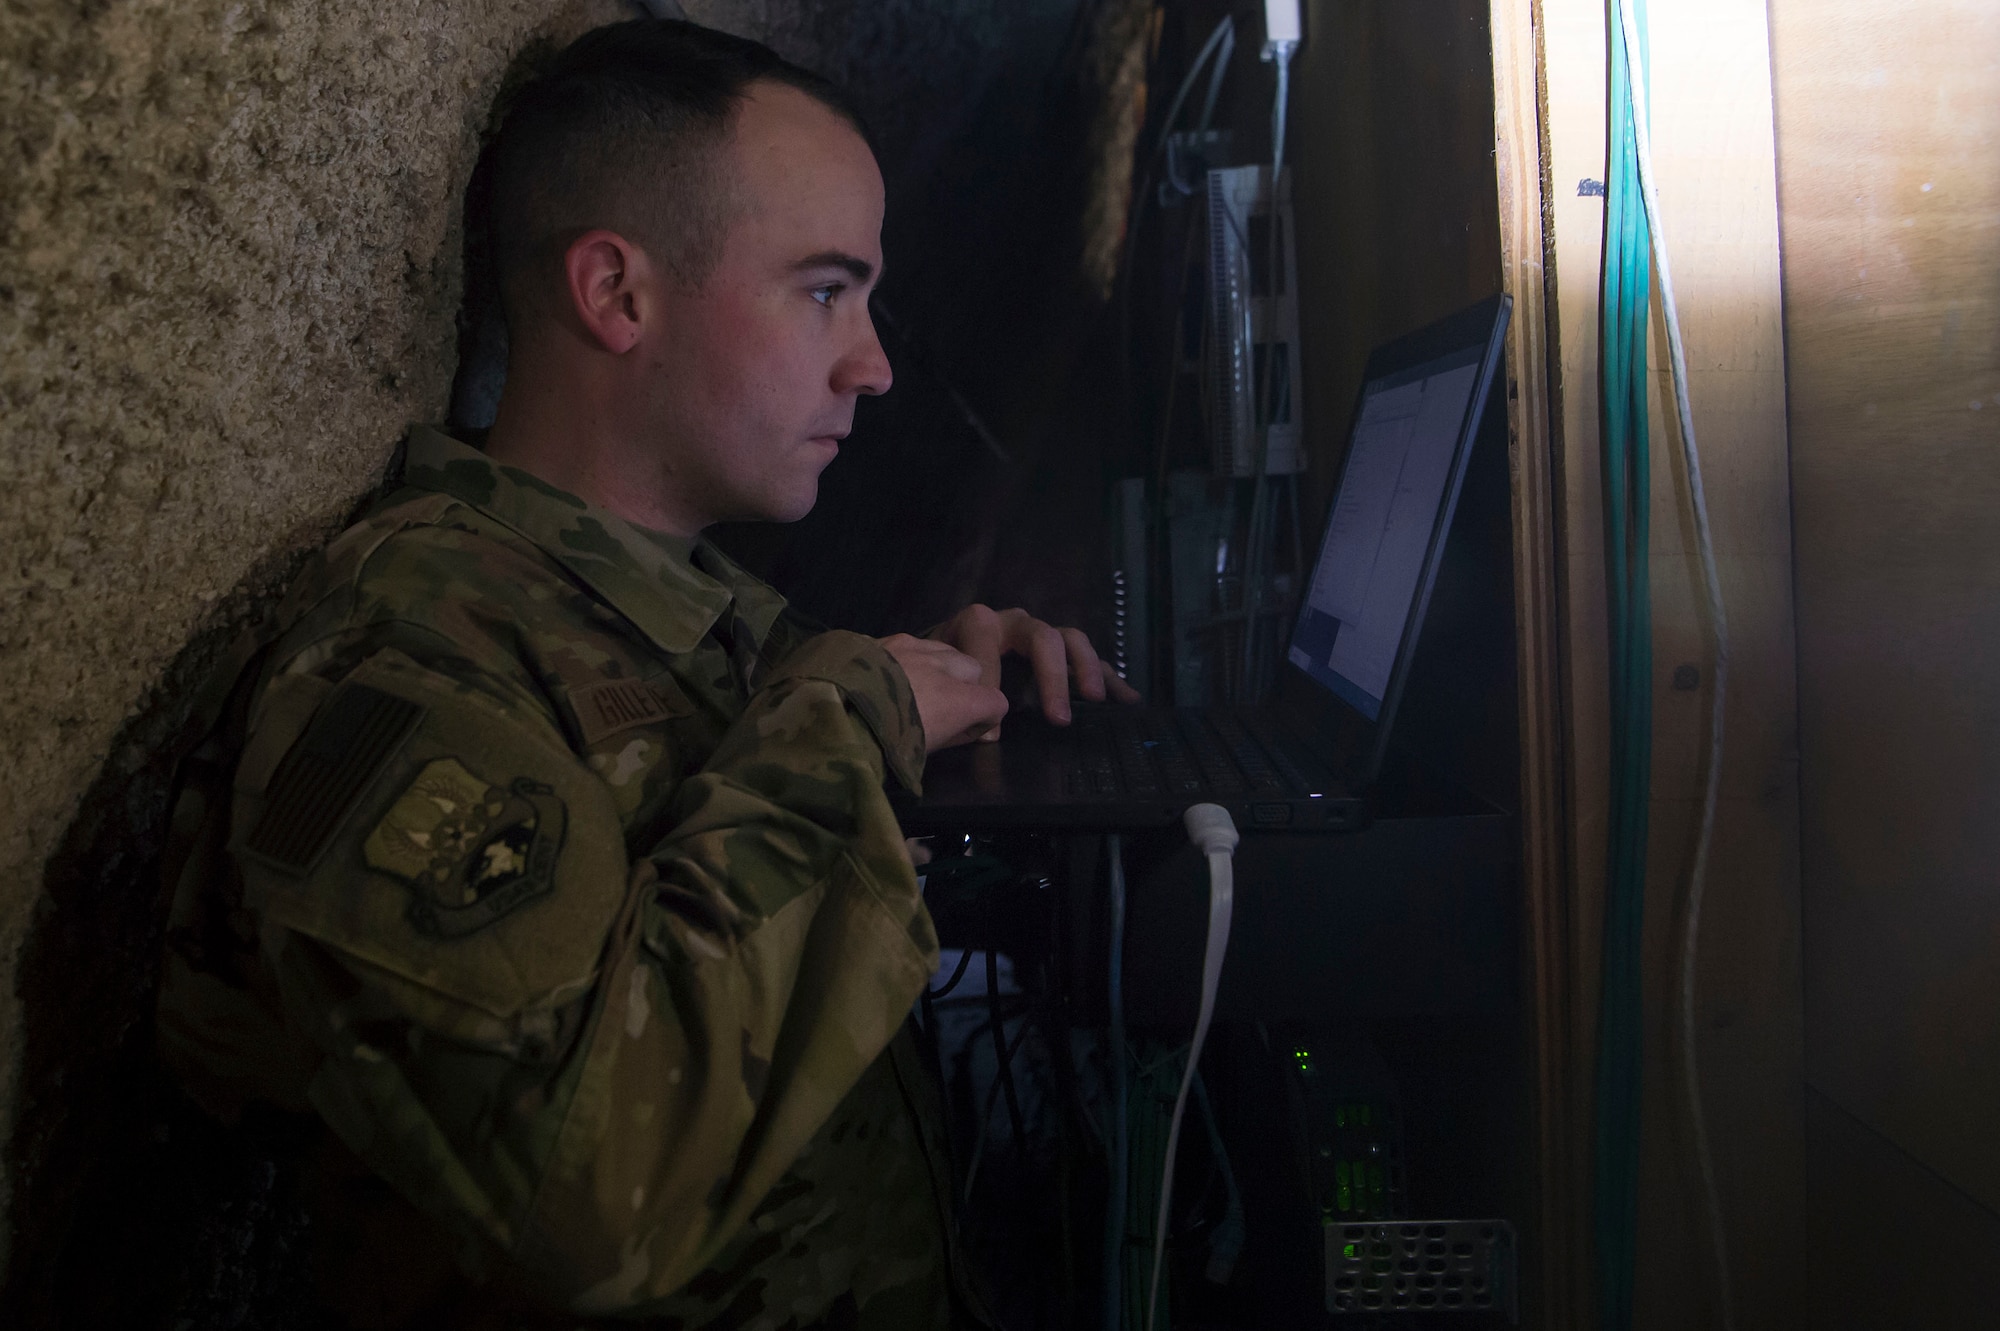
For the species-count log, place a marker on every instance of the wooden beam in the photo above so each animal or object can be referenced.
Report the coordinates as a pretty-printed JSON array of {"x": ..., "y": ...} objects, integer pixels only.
[{"x": 1526, "y": 248}]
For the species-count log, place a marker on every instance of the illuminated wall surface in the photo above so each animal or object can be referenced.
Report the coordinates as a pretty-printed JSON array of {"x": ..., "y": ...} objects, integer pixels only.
[
  {"x": 1889, "y": 184},
  {"x": 1835, "y": 222}
]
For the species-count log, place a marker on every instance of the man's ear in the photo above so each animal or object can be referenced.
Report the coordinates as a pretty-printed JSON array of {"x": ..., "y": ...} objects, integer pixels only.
[{"x": 606, "y": 274}]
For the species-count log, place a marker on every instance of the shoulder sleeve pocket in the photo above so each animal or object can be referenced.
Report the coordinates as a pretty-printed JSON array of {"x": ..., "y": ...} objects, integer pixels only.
[{"x": 433, "y": 832}]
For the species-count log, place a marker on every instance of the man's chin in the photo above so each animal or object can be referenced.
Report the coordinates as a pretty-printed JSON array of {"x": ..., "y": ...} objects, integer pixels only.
[
  {"x": 789, "y": 508},
  {"x": 804, "y": 491}
]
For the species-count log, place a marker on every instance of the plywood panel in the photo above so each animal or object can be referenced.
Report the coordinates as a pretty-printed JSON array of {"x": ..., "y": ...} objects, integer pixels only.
[
  {"x": 1889, "y": 137},
  {"x": 1711, "y": 102},
  {"x": 1893, "y": 1244}
]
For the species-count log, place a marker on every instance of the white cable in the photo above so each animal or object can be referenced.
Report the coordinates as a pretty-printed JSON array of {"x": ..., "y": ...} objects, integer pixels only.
[
  {"x": 1278, "y": 51},
  {"x": 1712, "y": 584},
  {"x": 1282, "y": 25},
  {"x": 1121, "y": 1123},
  {"x": 1224, "y": 38},
  {"x": 1212, "y": 830},
  {"x": 1222, "y": 58}
]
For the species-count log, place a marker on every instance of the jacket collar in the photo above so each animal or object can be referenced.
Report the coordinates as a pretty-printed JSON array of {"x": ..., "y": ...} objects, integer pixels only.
[{"x": 650, "y": 582}]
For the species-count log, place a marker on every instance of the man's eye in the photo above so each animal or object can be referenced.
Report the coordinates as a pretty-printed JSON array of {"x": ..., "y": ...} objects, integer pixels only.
[{"x": 825, "y": 295}]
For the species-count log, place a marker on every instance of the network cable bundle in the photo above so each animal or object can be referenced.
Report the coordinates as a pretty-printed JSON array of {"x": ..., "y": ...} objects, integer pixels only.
[
  {"x": 1633, "y": 237},
  {"x": 1226, "y": 621}
]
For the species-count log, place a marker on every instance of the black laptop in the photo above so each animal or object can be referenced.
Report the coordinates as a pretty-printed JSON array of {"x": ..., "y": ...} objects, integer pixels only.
[{"x": 1306, "y": 760}]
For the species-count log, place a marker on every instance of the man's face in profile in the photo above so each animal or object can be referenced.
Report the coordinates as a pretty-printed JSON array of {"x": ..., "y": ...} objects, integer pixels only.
[{"x": 755, "y": 375}]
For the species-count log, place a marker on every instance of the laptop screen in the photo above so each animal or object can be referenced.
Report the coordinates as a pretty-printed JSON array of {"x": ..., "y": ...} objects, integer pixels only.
[{"x": 1394, "y": 496}]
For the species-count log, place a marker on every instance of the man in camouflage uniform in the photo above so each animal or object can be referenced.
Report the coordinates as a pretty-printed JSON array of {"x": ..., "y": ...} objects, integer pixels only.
[{"x": 541, "y": 852}]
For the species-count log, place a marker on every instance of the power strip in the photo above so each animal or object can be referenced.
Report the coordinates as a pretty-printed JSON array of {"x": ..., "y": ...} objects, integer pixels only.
[{"x": 1423, "y": 1266}]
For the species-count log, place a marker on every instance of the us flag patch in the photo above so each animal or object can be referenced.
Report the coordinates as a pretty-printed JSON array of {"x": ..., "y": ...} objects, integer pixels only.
[{"x": 316, "y": 785}]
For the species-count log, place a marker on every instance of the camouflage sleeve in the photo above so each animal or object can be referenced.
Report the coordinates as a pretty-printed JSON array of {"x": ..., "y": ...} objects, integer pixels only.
[{"x": 593, "y": 1066}]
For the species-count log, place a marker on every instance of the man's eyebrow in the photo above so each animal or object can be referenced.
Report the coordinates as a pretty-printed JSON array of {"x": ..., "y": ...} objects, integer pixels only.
[{"x": 859, "y": 269}]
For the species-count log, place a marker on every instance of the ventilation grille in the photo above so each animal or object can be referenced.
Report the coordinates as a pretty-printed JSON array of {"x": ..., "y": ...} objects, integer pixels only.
[{"x": 1422, "y": 1266}]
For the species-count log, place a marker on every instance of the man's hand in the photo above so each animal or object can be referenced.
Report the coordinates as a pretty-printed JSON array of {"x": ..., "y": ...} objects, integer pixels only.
[
  {"x": 954, "y": 702},
  {"x": 1060, "y": 656}
]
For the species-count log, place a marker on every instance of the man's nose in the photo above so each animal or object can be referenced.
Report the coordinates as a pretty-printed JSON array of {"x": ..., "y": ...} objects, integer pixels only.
[{"x": 865, "y": 368}]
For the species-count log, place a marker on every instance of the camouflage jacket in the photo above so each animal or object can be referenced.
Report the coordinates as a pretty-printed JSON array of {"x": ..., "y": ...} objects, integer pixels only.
[{"x": 557, "y": 870}]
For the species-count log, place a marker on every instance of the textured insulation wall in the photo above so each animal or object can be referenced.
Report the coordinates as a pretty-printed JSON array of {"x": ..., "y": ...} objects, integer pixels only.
[{"x": 229, "y": 273}]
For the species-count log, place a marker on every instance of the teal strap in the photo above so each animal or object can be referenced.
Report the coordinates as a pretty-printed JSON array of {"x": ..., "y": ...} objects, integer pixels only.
[{"x": 1623, "y": 312}]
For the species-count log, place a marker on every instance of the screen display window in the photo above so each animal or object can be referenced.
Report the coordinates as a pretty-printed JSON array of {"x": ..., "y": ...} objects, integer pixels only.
[{"x": 1392, "y": 494}]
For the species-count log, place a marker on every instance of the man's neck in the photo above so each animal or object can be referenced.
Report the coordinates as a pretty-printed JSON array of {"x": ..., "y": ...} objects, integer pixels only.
[{"x": 568, "y": 440}]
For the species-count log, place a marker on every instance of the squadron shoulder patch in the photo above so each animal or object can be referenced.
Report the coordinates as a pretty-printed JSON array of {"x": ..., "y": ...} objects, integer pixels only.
[{"x": 470, "y": 851}]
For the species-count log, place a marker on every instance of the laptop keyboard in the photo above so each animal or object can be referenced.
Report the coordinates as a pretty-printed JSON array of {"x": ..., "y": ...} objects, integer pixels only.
[{"x": 1153, "y": 755}]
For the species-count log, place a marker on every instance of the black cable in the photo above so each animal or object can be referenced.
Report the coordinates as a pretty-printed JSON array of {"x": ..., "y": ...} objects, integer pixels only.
[
  {"x": 933, "y": 1050},
  {"x": 1136, "y": 214},
  {"x": 1052, "y": 1016},
  {"x": 1009, "y": 1049},
  {"x": 1006, "y": 1071},
  {"x": 927, "y": 1027},
  {"x": 964, "y": 960}
]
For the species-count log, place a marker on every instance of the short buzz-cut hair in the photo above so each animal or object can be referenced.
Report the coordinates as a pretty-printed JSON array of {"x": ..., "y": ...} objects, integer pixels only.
[{"x": 623, "y": 129}]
